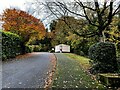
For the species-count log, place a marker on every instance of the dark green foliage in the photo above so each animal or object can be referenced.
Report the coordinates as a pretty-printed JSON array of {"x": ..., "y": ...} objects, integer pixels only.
[
  {"x": 43, "y": 45},
  {"x": 52, "y": 25},
  {"x": 37, "y": 48},
  {"x": 28, "y": 49},
  {"x": 104, "y": 57},
  {"x": 33, "y": 48},
  {"x": 118, "y": 50},
  {"x": 11, "y": 45},
  {"x": 79, "y": 52},
  {"x": 81, "y": 47}
]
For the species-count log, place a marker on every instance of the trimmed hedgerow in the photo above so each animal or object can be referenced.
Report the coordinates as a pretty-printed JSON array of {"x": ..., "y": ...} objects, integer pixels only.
[
  {"x": 103, "y": 55},
  {"x": 11, "y": 45}
]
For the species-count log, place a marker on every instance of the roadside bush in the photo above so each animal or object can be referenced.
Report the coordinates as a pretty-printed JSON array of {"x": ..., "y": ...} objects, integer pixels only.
[
  {"x": 104, "y": 57},
  {"x": 11, "y": 45},
  {"x": 33, "y": 48},
  {"x": 37, "y": 48},
  {"x": 28, "y": 49}
]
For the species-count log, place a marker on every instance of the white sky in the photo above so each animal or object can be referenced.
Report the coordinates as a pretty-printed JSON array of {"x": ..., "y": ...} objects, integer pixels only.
[
  {"x": 12, "y": 3},
  {"x": 21, "y": 4}
]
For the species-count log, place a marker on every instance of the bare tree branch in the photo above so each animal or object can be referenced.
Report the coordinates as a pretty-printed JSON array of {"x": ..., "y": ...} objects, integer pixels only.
[
  {"x": 70, "y": 10},
  {"x": 100, "y": 16},
  {"x": 116, "y": 10},
  {"x": 86, "y": 16}
]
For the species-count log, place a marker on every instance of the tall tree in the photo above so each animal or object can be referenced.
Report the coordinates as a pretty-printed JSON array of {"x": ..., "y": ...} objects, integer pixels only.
[
  {"x": 23, "y": 24},
  {"x": 93, "y": 12}
]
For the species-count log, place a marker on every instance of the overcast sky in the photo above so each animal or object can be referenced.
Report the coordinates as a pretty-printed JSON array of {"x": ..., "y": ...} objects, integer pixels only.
[
  {"x": 21, "y": 5},
  {"x": 15, "y": 3},
  {"x": 12, "y": 3}
]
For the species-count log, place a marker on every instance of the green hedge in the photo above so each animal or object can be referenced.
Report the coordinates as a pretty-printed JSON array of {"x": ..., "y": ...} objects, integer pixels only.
[
  {"x": 104, "y": 57},
  {"x": 11, "y": 45}
]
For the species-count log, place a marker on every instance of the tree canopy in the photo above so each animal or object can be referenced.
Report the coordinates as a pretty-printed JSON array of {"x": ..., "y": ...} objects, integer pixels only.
[
  {"x": 23, "y": 24},
  {"x": 96, "y": 13}
]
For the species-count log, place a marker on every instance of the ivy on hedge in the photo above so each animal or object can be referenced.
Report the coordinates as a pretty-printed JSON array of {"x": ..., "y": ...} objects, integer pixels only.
[
  {"x": 103, "y": 55},
  {"x": 11, "y": 45}
]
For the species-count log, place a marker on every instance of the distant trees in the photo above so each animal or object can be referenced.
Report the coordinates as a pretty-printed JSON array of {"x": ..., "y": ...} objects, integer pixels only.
[
  {"x": 61, "y": 33},
  {"x": 76, "y": 36},
  {"x": 96, "y": 13},
  {"x": 23, "y": 24}
]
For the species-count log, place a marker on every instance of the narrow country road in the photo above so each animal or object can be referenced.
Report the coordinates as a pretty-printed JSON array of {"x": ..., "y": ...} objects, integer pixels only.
[{"x": 29, "y": 72}]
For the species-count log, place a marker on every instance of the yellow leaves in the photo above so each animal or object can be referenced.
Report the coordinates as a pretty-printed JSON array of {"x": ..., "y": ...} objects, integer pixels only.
[
  {"x": 113, "y": 31},
  {"x": 50, "y": 34},
  {"x": 71, "y": 37}
]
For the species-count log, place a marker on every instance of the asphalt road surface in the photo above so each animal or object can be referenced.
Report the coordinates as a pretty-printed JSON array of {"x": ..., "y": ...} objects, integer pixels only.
[{"x": 29, "y": 72}]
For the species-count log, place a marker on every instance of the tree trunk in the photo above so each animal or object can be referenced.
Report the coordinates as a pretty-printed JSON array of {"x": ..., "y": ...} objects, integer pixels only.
[{"x": 102, "y": 36}]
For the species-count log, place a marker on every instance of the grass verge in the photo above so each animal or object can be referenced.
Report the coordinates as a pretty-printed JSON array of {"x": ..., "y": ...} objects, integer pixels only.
[
  {"x": 69, "y": 74},
  {"x": 84, "y": 62}
]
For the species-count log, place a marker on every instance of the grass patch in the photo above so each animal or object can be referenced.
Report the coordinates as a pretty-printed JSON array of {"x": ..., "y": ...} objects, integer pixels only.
[
  {"x": 84, "y": 62},
  {"x": 69, "y": 74}
]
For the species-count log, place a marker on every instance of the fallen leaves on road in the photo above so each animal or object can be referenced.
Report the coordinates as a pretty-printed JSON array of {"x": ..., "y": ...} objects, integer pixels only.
[
  {"x": 25, "y": 55},
  {"x": 49, "y": 80}
]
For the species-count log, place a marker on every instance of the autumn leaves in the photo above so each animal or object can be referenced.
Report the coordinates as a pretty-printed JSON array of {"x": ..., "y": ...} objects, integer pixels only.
[{"x": 23, "y": 24}]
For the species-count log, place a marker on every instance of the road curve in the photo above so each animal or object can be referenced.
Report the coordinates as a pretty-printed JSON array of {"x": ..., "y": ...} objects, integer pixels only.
[{"x": 29, "y": 72}]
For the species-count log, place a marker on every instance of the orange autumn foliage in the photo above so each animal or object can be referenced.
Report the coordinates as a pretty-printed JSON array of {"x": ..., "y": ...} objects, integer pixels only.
[{"x": 23, "y": 24}]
